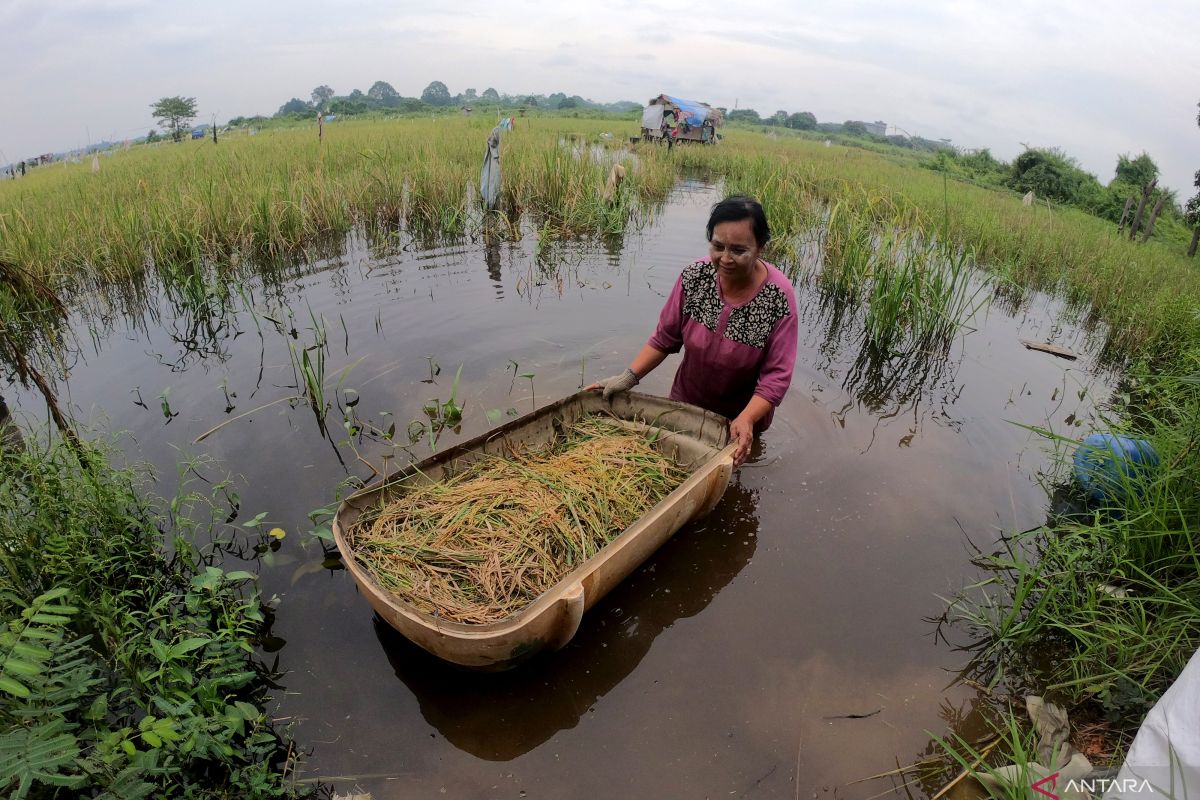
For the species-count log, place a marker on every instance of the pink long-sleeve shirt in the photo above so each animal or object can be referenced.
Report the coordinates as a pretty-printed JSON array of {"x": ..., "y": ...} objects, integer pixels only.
[{"x": 730, "y": 352}]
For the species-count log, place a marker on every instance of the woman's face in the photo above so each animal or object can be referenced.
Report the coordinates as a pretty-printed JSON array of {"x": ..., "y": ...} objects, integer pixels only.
[{"x": 733, "y": 248}]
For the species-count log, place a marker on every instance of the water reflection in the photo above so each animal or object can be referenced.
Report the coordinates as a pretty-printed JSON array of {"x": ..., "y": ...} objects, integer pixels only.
[
  {"x": 972, "y": 721},
  {"x": 886, "y": 384},
  {"x": 501, "y": 716},
  {"x": 203, "y": 327},
  {"x": 491, "y": 257}
]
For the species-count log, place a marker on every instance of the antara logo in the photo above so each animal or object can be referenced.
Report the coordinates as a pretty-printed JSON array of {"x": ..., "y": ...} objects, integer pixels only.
[
  {"x": 1092, "y": 786},
  {"x": 1050, "y": 779}
]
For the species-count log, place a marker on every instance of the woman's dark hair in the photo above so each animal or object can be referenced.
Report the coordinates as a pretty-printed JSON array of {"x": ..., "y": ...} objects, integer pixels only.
[{"x": 739, "y": 207}]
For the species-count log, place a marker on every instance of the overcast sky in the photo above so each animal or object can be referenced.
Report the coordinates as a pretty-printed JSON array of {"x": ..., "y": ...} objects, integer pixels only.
[{"x": 1094, "y": 78}]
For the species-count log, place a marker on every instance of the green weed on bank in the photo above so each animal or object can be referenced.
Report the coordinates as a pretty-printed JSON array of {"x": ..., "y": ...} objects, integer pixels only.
[
  {"x": 125, "y": 671},
  {"x": 1101, "y": 607}
]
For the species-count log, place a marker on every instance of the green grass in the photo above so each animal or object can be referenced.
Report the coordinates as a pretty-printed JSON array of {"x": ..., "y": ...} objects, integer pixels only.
[
  {"x": 130, "y": 670},
  {"x": 282, "y": 195},
  {"x": 1110, "y": 597},
  {"x": 1100, "y": 608}
]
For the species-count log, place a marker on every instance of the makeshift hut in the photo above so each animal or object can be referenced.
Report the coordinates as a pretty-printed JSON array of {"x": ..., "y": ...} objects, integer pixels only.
[{"x": 680, "y": 120}]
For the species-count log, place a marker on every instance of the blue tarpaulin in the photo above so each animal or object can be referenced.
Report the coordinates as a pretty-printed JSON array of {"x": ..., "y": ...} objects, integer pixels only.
[{"x": 693, "y": 113}]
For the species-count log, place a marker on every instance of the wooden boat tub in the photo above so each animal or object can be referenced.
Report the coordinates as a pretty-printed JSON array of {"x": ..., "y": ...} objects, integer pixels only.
[{"x": 695, "y": 438}]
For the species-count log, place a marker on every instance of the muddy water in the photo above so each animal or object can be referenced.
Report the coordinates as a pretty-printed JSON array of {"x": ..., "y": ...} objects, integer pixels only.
[{"x": 725, "y": 666}]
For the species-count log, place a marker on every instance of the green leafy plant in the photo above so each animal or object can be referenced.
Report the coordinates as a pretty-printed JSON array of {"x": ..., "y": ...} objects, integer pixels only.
[
  {"x": 143, "y": 680},
  {"x": 441, "y": 415}
]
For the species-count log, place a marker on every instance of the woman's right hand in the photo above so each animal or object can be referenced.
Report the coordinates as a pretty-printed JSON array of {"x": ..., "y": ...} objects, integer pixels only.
[{"x": 617, "y": 383}]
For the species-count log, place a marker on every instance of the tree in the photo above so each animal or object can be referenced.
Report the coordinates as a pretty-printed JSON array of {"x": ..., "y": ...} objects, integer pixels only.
[
  {"x": 1132, "y": 175},
  {"x": 174, "y": 114},
  {"x": 436, "y": 94},
  {"x": 1136, "y": 171},
  {"x": 357, "y": 95},
  {"x": 802, "y": 121},
  {"x": 746, "y": 114},
  {"x": 567, "y": 102},
  {"x": 1192, "y": 212},
  {"x": 321, "y": 96},
  {"x": 1192, "y": 217},
  {"x": 152, "y": 136},
  {"x": 778, "y": 118},
  {"x": 293, "y": 106},
  {"x": 982, "y": 164},
  {"x": 383, "y": 91},
  {"x": 1050, "y": 173},
  {"x": 854, "y": 127},
  {"x": 469, "y": 96},
  {"x": 490, "y": 95}
]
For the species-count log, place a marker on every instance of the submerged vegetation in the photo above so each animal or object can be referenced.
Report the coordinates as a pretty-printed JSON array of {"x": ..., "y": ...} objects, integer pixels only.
[{"x": 917, "y": 290}]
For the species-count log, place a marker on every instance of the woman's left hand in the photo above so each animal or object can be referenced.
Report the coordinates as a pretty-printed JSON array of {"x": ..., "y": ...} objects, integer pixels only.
[{"x": 741, "y": 431}]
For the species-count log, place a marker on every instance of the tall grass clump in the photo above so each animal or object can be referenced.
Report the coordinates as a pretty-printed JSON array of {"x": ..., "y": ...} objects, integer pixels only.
[
  {"x": 919, "y": 296},
  {"x": 848, "y": 252},
  {"x": 127, "y": 664},
  {"x": 917, "y": 290}
]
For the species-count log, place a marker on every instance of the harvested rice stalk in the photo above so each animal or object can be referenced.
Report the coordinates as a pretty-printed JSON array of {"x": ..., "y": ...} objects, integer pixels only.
[{"x": 480, "y": 546}]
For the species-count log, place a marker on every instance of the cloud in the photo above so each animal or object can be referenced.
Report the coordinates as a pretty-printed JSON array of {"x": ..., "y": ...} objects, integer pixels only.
[
  {"x": 560, "y": 60},
  {"x": 1088, "y": 77}
]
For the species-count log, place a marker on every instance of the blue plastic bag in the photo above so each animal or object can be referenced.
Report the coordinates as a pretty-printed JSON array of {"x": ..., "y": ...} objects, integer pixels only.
[{"x": 1109, "y": 465}]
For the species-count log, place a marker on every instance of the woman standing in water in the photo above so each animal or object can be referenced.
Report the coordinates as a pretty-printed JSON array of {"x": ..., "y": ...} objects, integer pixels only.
[{"x": 734, "y": 316}]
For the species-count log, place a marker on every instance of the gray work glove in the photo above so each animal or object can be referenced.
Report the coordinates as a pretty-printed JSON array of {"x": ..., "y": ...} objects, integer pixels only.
[{"x": 618, "y": 383}]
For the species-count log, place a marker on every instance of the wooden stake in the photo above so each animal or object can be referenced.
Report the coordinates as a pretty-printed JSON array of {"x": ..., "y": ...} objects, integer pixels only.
[
  {"x": 1153, "y": 216},
  {"x": 1195, "y": 241},
  {"x": 1124, "y": 215},
  {"x": 1137, "y": 217}
]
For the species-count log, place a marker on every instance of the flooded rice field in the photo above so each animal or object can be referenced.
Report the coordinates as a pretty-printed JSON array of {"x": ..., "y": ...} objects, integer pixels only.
[{"x": 780, "y": 648}]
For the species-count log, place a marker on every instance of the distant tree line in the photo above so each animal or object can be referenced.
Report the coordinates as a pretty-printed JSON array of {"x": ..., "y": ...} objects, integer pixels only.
[
  {"x": 1049, "y": 173},
  {"x": 383, "y": 97},
  {"x": 852, "y": 129}
]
